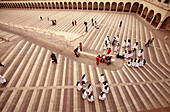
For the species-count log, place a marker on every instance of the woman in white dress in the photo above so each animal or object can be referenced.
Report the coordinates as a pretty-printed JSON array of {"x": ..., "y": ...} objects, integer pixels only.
[
  {"x": 90, "y": 98},
  {"x": 130, "y": 62},
  {"x": 84, "y": 94},
  {"x": 79, "y": 87},
  {"x": 125, "y": 54},
  {"x": 140, "y": 53},
  {"x": 135, "y": 45},
  {"x": 116, "y": 48},
  {"x": 143, "y": 62},
  {"x": 101, "y": 79},
  {"x": 89, "y": 89},
  {"x": 124, "y": 43},
  {"x": 102, "y": 96},
  {"x": 106, "y": 89},
  {"x": 134, "y": 62},
  {"x": 137, "y": 63},
  {"x": 128, "y": 43},
  {"x": 84, "y": 81},
  {"x": 2, "y": 79}
]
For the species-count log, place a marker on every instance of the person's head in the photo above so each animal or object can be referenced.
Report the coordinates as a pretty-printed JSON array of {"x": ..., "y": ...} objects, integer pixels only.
[
  {"x": 83, "y": 90},
  {"x": 102, "y": 74},
  {"x": 124, "y": 40},
  {"x": 131, "y": 59},
  {"x": 135, "y": 60},
  {"x": 106, "y": 87},
  {"x": 125, "y": 51},
  {"x": 117, "y": 44},
  {"x": 101, "y": 94},
  {"x": 90, "y": 96},
  {"x": 128, "y": 40},
  {"x": 141, "y": 50},
  {"x": 136, "y": 43},
  {"x": 105, "y": 82},
  {"x": 138, "y": 60}
]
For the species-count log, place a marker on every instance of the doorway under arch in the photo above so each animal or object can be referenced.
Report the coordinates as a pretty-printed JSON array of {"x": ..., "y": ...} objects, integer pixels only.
[
  {"x": 140, "y": 9},
  {"x": 84, "y": 5},
  {"x": 79, "y": 5},
  {"x": 166, "y": 24},
  {"x": 150, "y": 16},
  {"x": 90, "y": 6},
  {"x": 134, "y": 8},
  {"x": 120, "y": 6},
  {"x": 156, "y": 20},
  {"x": 127, "y": 7},
  {"x": 145, "y": 12},
  {"x": 101, "y": 6},
  {"x": 95, "y": 6},
  {"x": 107, "y": 6}
]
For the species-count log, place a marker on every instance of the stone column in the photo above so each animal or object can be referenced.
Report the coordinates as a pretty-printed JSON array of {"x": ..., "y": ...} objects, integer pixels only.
[{"x": 159, "y": 25}]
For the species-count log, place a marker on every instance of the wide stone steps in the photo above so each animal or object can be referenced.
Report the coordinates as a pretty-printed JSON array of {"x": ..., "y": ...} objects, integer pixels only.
[{"x": 36, "y": 84}]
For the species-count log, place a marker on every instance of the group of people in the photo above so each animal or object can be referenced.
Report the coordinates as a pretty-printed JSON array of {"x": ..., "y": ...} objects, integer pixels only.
[
  {"x": 74, "y": 22},
  {"x": 87, "y": 89},
  {"x": 52, "y": 21},
  {"x": 103, "y": 58},
  {"x": 136, "y": 62},
  {"x": 2, "y": 79}
]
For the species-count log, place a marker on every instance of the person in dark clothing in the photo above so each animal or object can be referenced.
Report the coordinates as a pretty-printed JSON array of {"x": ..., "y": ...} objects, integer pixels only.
[
  {"x": 73, "y": 23},
  {"x": 41, "y": 17},
  {"x": 53, "y": 57},
  {"x": 92, "y": 22},
  {"x": 1, "y": 64},
  {"x": 48, "y": 18},
  {"x": 120, "y": 24},
  {"x": 75, "y": 51},
  {"x": 86, "y": 29},
  {"x": 85, "y": 23},
  {"x": 147, "y": 44}
]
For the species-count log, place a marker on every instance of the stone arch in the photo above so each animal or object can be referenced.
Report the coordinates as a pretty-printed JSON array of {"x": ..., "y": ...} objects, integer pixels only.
[
  {"x": 159, "y": 0},
  {"x": 135, "y": 7},
  {"x": 107, "y": 6},
  {"x": 140, "y": 9},
  {"x": 90, "y": 6},
  {"x": 21, "y": 5},
  {"x": 101, "y": 6},
  {"x": 74, "y": 5},
  {"x": 95, "y": 6},
  {"x": 33, "y": 5},
  {"x": 145, "y": 12},
  {"x": 65, "y": 5},
  {"x": 61, "y": 5},
  {"x": 127, "y": 7},
  {"x": 120, "y": 6},
  {"x": 114, "y": 6},
  {"x": 30, "y": 5},
  {"x": 49, "y": 5},
  {"x": 156, "y": 20},
  {"x": 53, "y": 5},
  {"x": 79, "y": 5},
  {"x": 15, "y": 5},
  {"x": 84, "y": 5},
  {"x": 36, "y": 6},
  {"x": 166, "y": 24},
  {"x": 26, "y": 5},
  {"x": 46, "y": 6},
  {"x": 150, "y": 16},
  {"x": 57, "y": 5},
  {"x": 70, "y": 5},
  {"x": 42, "y": 5}
]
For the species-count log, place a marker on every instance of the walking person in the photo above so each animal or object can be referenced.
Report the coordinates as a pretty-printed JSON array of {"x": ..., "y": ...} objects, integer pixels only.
[
  {"x": 2, "y": 79},
  {"x": 84, "y": 94},
  {"x": 151, "y": 41},
  {"x": 147, "y": 44},
  {"x": 92, "y": 22},
  {"x": 86, "y": 29},
  {"x": 124, "y": 43},
  {"x": 79, "y": 87},
  {"x": 140, "y": 53},
  {"x": 75, "y": 52},
  {"x": 106, "y": 89},
  {"x": 90, "y": 98},
  {"x": 97, "y": 60},
  {"x": 48, "y": 18},
  {"x": 41, "y": 17},
  {"x": 101, "y": 79},
  {"x": 73, "y": 23},
  {"x": 84, "y": 81},
  {"x": 89, "y": 89},
  {"x": 120, "y": 24},
  {"x": 53, "y": 57}
]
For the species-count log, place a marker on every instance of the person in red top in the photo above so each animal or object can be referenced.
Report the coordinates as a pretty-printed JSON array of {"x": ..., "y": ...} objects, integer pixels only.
[
  {"x": 97, "y": 60},
  {"x": 109, "y": 51},
  {"x": 75, "y": 22}
]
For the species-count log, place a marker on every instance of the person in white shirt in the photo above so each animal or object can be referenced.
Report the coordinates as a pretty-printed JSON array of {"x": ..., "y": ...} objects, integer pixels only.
[
  {"x": 101, "y": 79},
  {"x": 124, "y": 43},
  {"x": 116, "y": 48},
  {"x": 109, "y": 46},
  {"x": 105, "y": 83},
  {"x": 102, "y": 96},
  {"x": 130, "y": 62},
  {"x": 140, "y": 53},
  {"x": 135, "y": 45},
  {"x": 2, "y": 79},
  {"x": 89, "y": 89},
  {"x": 107, "y": 38},
  {"x": 117, "y": 38},
  {"x": 128, "y": 43},
  {"x": 137, "y": 63},
  {"x": 143, "y": 62},
  {"x": 84, "y": 94},
  {"x": 125, "y": 54},
  {"x": 106, "y": 89},
  {"x": 134, "y": 62},
  {"x": 90, "y": 98},
  {"x": 79, "y": 87},
  {"x": 84, "y": 81},
  {"x": 104, "y": 46}
]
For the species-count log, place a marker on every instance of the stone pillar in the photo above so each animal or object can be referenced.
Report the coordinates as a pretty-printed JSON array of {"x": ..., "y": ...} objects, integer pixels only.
[
  {"x": 159, "y": 25},
  {"x": 152, "y": 19}
]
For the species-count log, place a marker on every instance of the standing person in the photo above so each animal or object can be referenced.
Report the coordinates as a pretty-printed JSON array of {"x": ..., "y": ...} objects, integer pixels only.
[
  {"x": 1, "y": 64},
  {"x": 137, "y": 63},
  {"x": 53, "y": 57},
  {"x": 79, "y": 87},
  {"x": 124, "y": 43},
  {"x": 120, "y": 24},
  {"x": 73, "y": 23},
  {"x": 90, "y": 98},
  {"x": 84, "y": 81},
  {"x": 117, "y": 38},
  {"x": 101, "y": 79},
  {"x": 134, "y": 62},
  {"x": 106, "y": 89},
  {"x": 89, "y": 89},
  {"x": 109, "y": 50},
  {"x": 2, "y": 79},
  {"x": 97, "y": 60},
  {"x": 143, "y": 62},
  {"x": 130, "y": 62},
  {"x": 95, "y": 21},
  {"x": 85, "y": 23},
  {"x": 86, "y": 29},
  {"x": 147, "y": 44},
  {"x": 116, "y": 48},
  {"x": 41, "y": 17},
  {"x": 84, "y": 94},
  {"x": 75, "y": 51},
  {"x": 135, "y": 45},
  {"x": 48, "y": 18},
  {"x": 128, "y": 43},
  {"x": 140, "y": 53},
  {"x": 92, "y": 22},
  {"x": 102, "y": 96}
]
